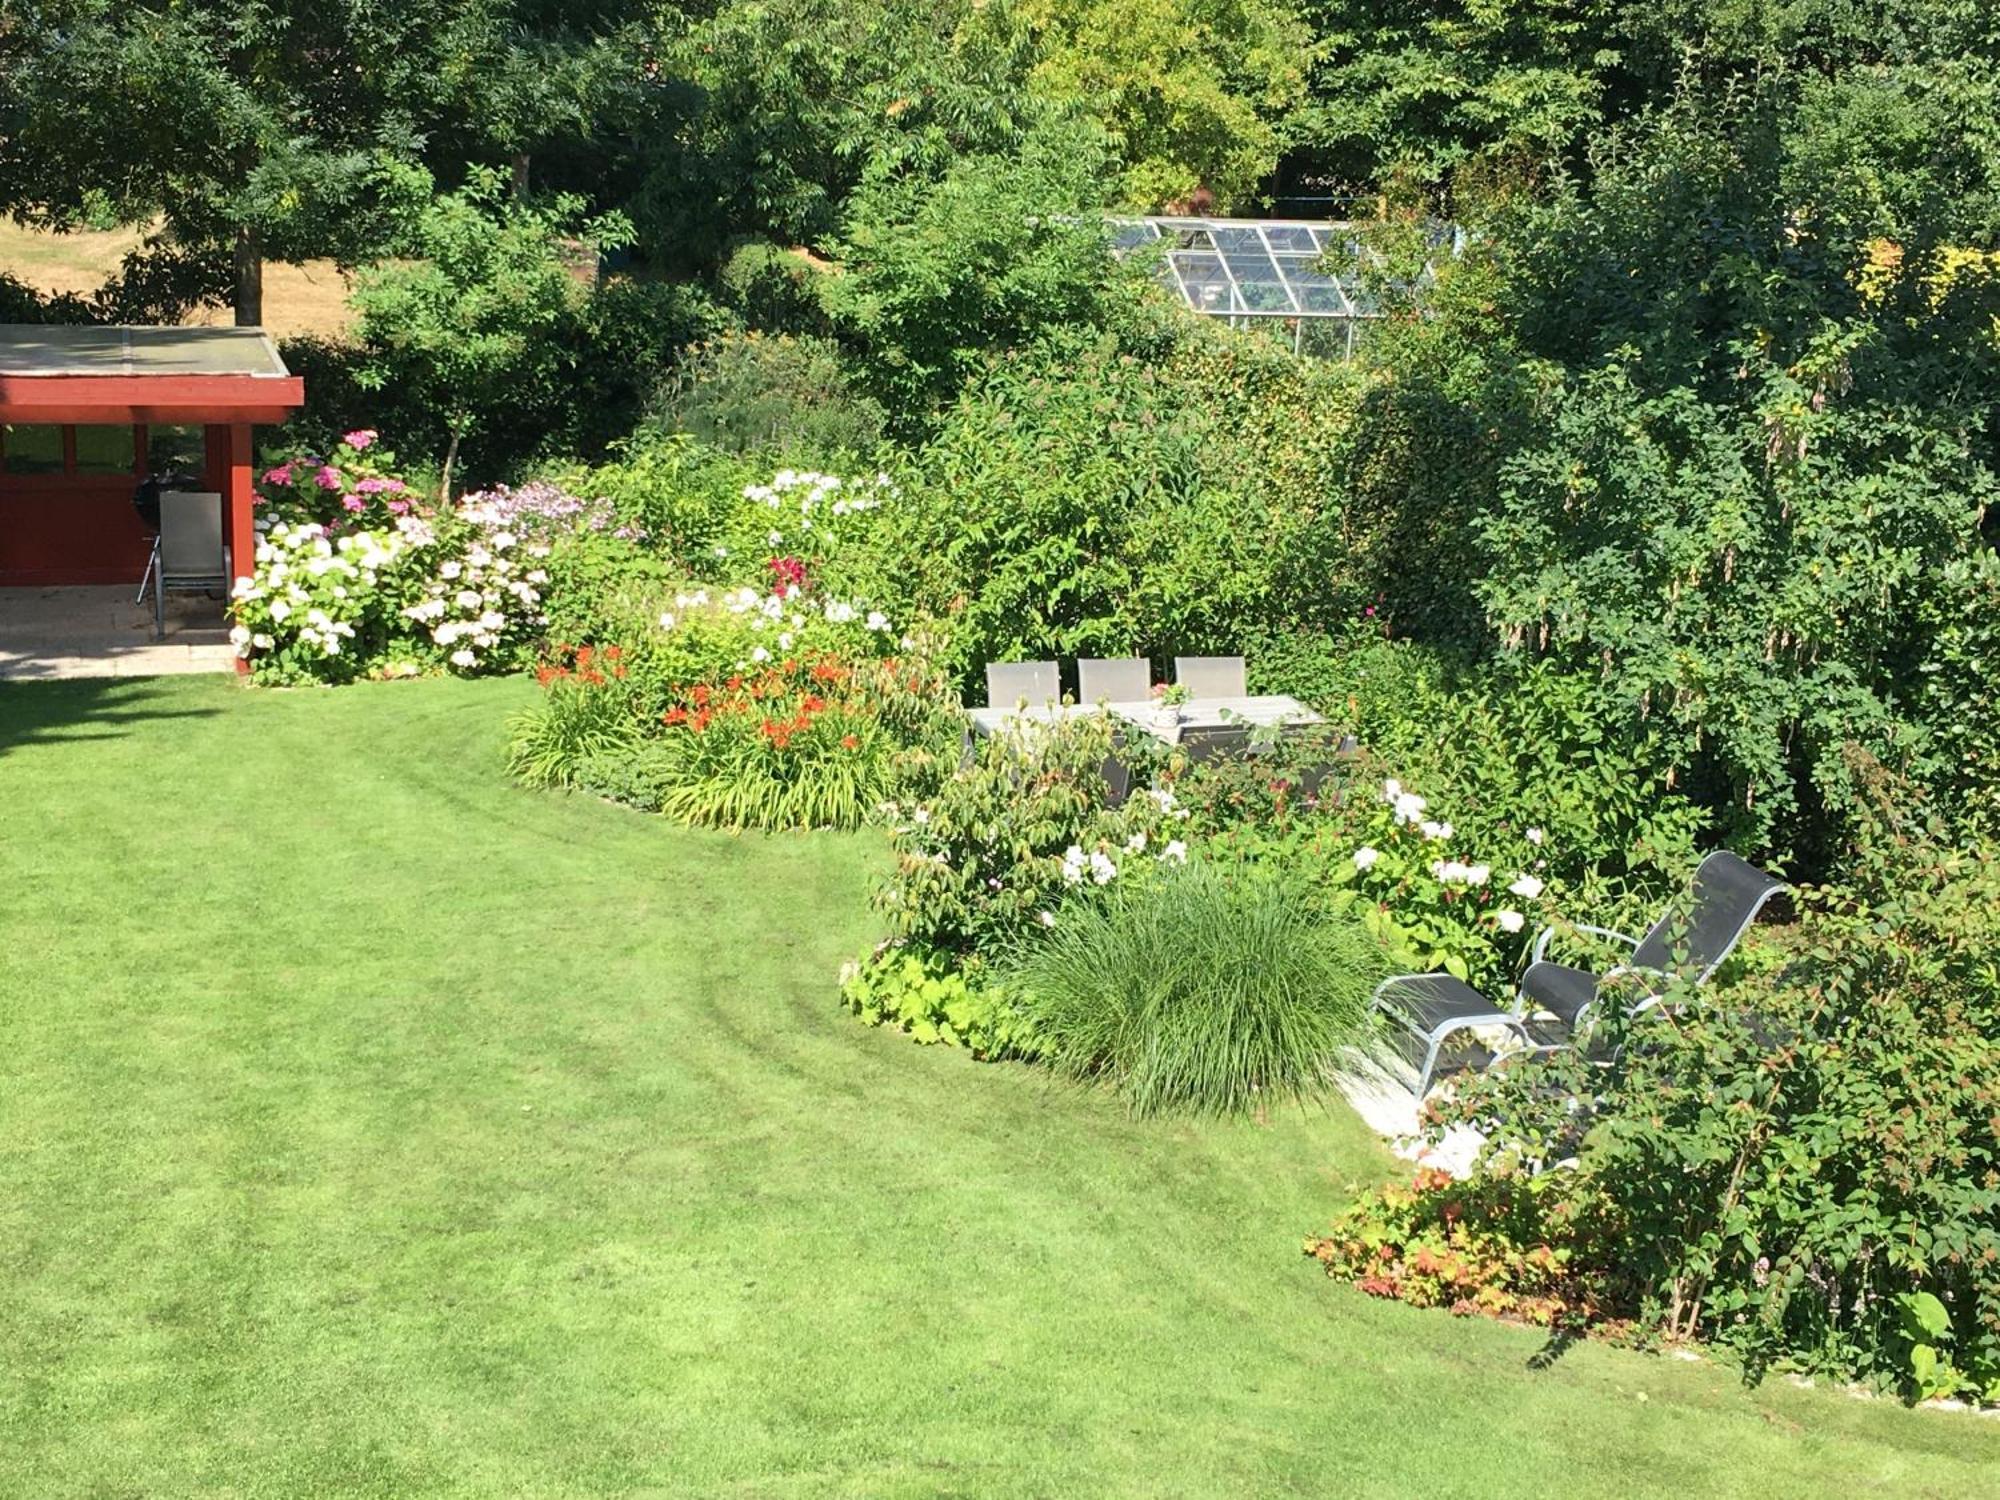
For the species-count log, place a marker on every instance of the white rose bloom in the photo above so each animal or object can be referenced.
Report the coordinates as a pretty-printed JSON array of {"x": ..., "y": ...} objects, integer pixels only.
[
  {"x": 450, "y": 570},
  {"x": 1137, "y": 843},
  {"x": 1527, "y": 887},
  {"x": 1535, "y": 836},
  {"x": 1478, "y": 874},
  {"x": 1175, "y": 853},
  {"x": 1365, "y": 857},
  {"x": 1046, "y": 918},
  {"x": 760, "y": 654},
  {"x": 877, "y": 620},
  {"x": 1510, "y": 920}
]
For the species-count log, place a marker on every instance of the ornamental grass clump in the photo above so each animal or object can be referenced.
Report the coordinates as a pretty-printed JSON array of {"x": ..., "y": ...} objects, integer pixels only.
[{"x": 1196, "y": 992}]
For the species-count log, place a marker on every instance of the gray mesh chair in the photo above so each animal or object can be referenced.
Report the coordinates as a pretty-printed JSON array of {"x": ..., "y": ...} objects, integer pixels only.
[
  {"x": 1115, "y": 680},
  {"x": 1037, "y": 683},
  {"x": 1689, "y": 943},
  {"x": 1211, "y": 676},
  {"x": 188, "y": 554}
]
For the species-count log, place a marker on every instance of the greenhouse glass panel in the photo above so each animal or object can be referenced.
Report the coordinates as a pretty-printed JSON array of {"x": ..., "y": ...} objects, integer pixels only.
[{"x": 1303, "y": 283}]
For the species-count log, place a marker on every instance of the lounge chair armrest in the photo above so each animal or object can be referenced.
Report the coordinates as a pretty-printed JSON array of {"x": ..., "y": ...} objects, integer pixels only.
[{"x": 1540, "y": 950}]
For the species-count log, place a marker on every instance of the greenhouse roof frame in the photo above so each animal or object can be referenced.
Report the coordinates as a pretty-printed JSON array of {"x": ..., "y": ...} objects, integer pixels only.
[{"x": 1244, "y": 270}]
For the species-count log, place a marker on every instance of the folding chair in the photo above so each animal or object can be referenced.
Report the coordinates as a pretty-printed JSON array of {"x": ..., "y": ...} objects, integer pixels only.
[{"x": 188, "y": 556}]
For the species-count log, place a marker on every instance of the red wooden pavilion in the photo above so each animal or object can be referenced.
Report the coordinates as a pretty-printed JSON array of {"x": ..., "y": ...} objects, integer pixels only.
[{"x": 87, "y": 412}]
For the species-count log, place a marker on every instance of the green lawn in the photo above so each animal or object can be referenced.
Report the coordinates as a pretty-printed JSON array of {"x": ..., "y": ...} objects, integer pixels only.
[{"x": 373, "y": 1127}]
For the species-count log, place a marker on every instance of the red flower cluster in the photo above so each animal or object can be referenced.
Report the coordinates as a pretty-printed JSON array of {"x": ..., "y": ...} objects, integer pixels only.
[
  {"x": 588, "y": 665},
  {"x": 788, "y": 573},
  {"x": 780, "y": 707}
]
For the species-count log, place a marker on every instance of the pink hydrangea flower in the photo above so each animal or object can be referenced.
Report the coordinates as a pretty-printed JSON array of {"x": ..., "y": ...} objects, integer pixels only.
[
  {"x": 353, "y": 503},
  {"x": 328, "y": 477},
  {"x": 360, "y": 440},
  {"x": 398, "y": 507},
  {"x": 280, "y": 475},
  {"x": 380, "y": 486}
]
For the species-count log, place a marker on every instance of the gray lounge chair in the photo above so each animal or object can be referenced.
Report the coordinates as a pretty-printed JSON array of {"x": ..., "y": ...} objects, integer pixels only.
[
  {"x": 1211, "y": 676},
  {"x": 1555, "y": 1004},
  {"x": 1037, "y": 683},
  {"x": 1113, "y": 680}
]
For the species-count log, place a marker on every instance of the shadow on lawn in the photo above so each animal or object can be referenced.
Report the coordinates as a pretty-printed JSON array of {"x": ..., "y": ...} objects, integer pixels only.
[
  {"x": 84, "y": 708},
  {"x": 1561, "y": 1341}
]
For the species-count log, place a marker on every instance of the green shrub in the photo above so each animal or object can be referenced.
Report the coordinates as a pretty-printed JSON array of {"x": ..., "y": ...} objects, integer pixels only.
[
  {"x": 1804, "y": 1165},
  {"x": 771, "y": 394},
  {"x": 934, "y": 999},
  {"x": 1016, "y": 831},
  {"x": 583, "y": 718},
  {"x": 1196, "y": 992}
]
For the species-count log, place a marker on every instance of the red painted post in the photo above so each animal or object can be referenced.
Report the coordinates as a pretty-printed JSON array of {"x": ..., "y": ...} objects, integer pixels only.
[{"x": 236, "y": 513}]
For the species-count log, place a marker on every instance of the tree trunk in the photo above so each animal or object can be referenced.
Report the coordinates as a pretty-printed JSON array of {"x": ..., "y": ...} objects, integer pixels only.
[
  {"x": 249, "y": 297},
  {"x": 450, "y": 459},
  {"x": 520, "y": 174}
]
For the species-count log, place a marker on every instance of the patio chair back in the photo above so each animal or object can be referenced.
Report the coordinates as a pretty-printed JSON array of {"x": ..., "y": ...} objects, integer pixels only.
[
  {"x": 1211, "y": 676},
  {"x": 1010, "y": 682},
  {"x": 190, "y": 538},
  {"x": 1116, "y": 680},
  {"x": 1728, "y": 893}
]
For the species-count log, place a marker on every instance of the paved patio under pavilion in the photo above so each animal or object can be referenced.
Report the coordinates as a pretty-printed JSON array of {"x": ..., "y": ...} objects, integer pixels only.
[{"x": 98, "y": 631}]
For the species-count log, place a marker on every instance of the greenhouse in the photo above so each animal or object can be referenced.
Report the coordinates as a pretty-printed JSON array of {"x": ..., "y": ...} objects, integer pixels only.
[{"x": 1302, "y": 280}]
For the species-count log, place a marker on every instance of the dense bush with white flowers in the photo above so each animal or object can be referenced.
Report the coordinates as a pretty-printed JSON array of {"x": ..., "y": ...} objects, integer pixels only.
[
  {"x": 1016, "y": 832},
  {"x": 481, "y": 606},
  {"x": 323, "y": 604},
  {"x": 1435, "y": 902}
]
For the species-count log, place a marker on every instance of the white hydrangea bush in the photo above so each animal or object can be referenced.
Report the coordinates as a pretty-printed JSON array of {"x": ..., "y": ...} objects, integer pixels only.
[
  {"x": 318, "y": 604},
  {"x": 482, "y": 604},
  {"x": 327, "y": 603}
]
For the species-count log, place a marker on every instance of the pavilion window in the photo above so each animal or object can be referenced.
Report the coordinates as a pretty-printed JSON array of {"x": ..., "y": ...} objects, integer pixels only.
[
  {"x": 177, "y": 450},
  {"x": 104, "y": 450},
  {"x": 32, "y": 448}
]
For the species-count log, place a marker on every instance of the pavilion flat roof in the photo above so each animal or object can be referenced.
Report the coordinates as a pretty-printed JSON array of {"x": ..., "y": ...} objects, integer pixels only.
[
  {"x": 67, "y": 349},
  {"x": 121, "y": 373}
]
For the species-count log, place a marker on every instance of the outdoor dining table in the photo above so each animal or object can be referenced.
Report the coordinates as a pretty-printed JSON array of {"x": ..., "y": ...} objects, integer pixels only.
[{"x": 1197, "y": 714}]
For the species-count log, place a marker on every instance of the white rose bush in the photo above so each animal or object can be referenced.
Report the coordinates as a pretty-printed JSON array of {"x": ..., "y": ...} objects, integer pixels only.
[{"x": 1407, "y": 873}]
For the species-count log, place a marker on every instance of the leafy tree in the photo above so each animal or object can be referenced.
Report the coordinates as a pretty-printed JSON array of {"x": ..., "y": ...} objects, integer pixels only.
[
  {"x": 1742, "y": 460},
  {"x": 481, "y": 323},
  {"x": 986, "y": 254},
  {"x": 1428, "y": 86},
  {"x": 772, "y": 111},
  {"x": 275, "y": 129},
  {"x": 1197, "y": 91}
]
